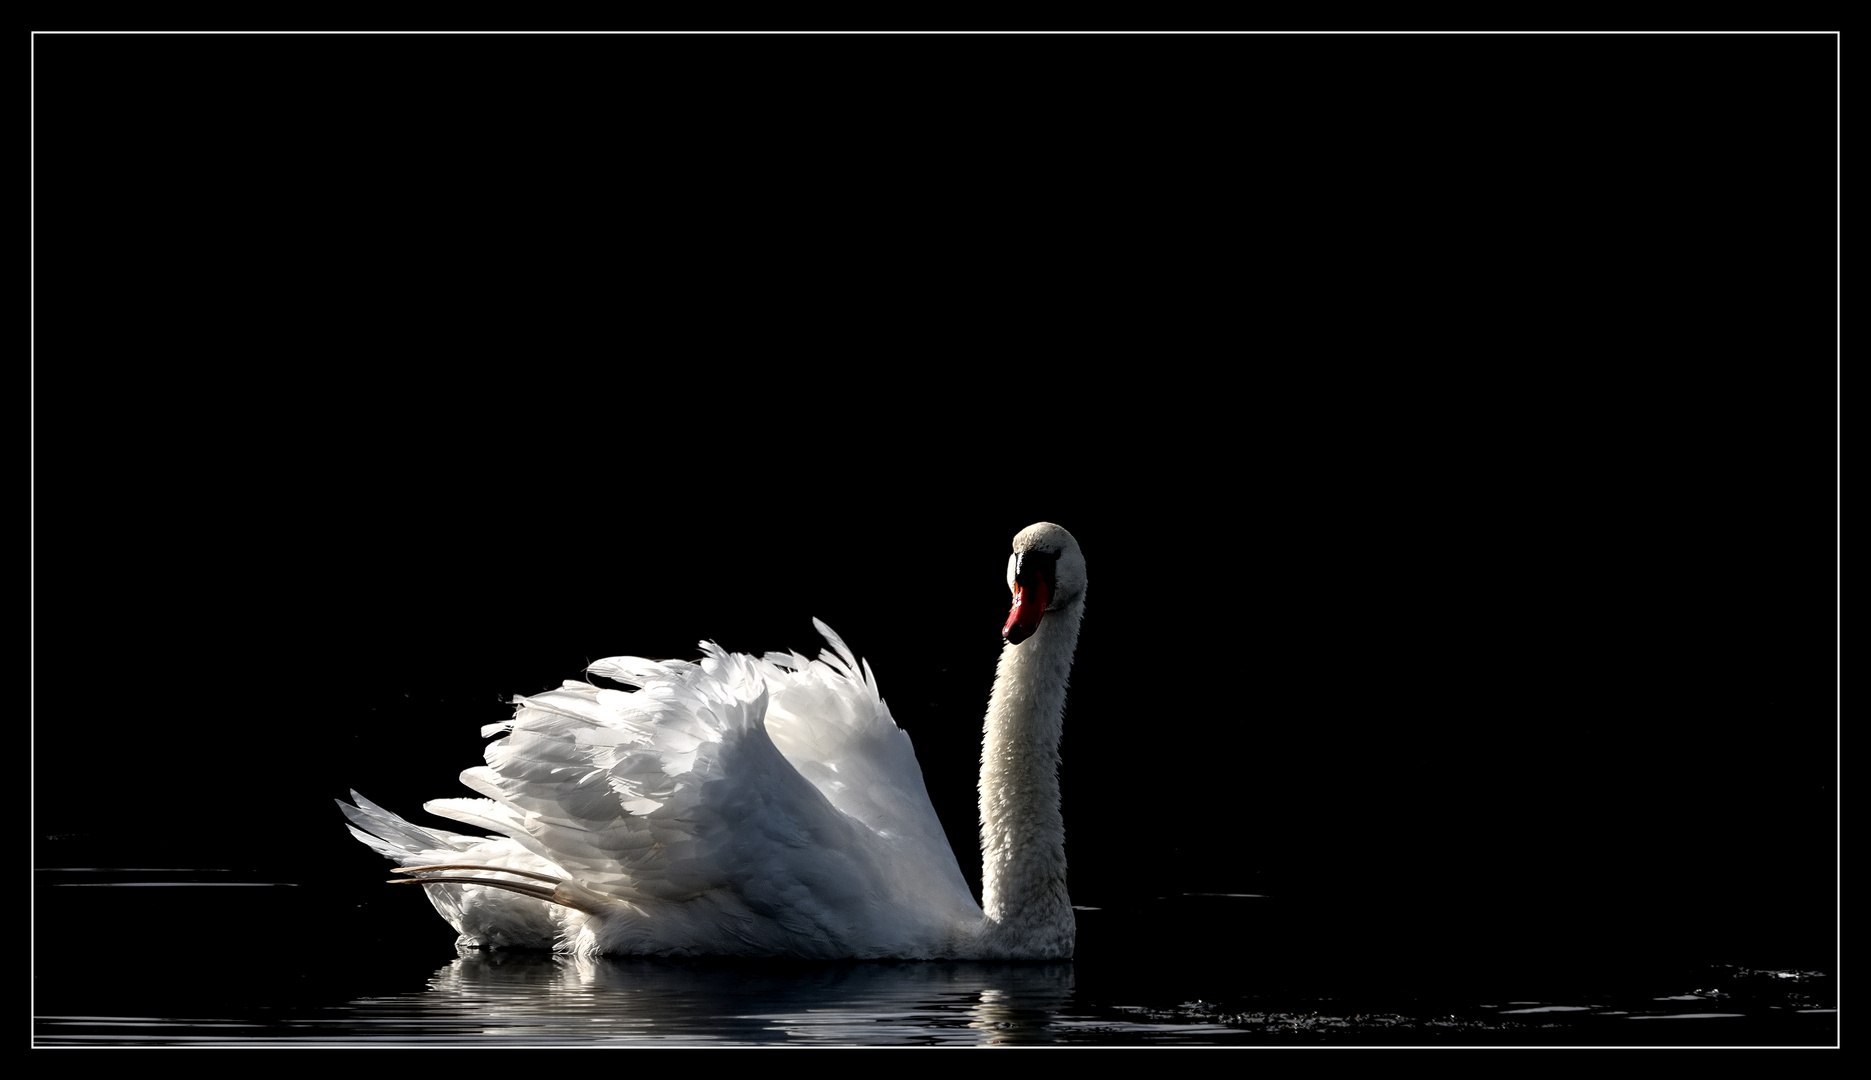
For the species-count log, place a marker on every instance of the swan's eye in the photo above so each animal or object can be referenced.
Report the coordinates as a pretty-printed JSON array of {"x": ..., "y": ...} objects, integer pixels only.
[{"x": 1030, "y": 568}]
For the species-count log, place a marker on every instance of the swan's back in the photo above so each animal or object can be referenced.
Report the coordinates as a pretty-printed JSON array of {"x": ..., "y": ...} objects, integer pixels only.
[{"x": 735, "y": 805}]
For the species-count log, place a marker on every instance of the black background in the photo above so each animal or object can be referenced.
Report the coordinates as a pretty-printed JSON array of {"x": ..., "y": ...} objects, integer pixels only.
[{"x": 1448, "y": 422}]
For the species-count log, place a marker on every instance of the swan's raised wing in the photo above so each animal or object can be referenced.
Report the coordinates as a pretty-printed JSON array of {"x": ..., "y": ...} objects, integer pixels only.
[{"x": 680, "y": 791}]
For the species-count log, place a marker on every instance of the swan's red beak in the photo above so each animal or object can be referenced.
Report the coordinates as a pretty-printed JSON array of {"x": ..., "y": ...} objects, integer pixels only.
[{"x": 1029, "y": 603}]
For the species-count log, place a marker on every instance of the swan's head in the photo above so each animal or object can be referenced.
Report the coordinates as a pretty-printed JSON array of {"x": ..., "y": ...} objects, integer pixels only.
[{"x": 1045, "y": 573}]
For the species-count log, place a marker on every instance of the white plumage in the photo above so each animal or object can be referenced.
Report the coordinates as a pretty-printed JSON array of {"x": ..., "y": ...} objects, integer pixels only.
[{"x": 768, "y": 806}]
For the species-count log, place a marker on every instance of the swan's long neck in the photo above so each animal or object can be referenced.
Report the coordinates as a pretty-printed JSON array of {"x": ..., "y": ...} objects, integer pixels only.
[{"x": 1022, "y": 831}]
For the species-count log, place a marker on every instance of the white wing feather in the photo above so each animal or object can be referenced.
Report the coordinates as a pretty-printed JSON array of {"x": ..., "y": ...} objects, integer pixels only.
[{"x": 731, "y": 805}]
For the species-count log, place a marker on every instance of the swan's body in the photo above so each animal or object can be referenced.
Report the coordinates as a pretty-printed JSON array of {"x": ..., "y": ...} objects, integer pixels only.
[{"x": 743, "y": 806}]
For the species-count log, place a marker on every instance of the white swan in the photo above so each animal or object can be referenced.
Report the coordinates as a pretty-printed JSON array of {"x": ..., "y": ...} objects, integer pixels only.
[{"x": 762, "y": 807}]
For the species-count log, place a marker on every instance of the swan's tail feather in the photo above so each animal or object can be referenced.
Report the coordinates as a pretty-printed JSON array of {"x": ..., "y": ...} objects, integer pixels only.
[
  {"x": 483, "y": 914},
  {"x": 395, "y": 839}
]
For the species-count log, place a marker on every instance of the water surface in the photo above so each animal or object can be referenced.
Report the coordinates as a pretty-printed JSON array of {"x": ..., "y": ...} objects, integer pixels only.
[{"x": 284, "y": 964}]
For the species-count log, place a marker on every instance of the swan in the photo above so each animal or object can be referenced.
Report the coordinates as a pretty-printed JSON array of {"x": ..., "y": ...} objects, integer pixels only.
[{"x": 743, "y": 806}]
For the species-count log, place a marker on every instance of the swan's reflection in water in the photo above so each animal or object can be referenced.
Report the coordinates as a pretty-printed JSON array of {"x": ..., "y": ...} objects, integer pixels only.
[{"x": 535, "y": 997}]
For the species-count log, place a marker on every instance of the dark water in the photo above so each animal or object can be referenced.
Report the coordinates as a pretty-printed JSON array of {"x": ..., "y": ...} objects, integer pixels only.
[{"x": 284, "y": 964}]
